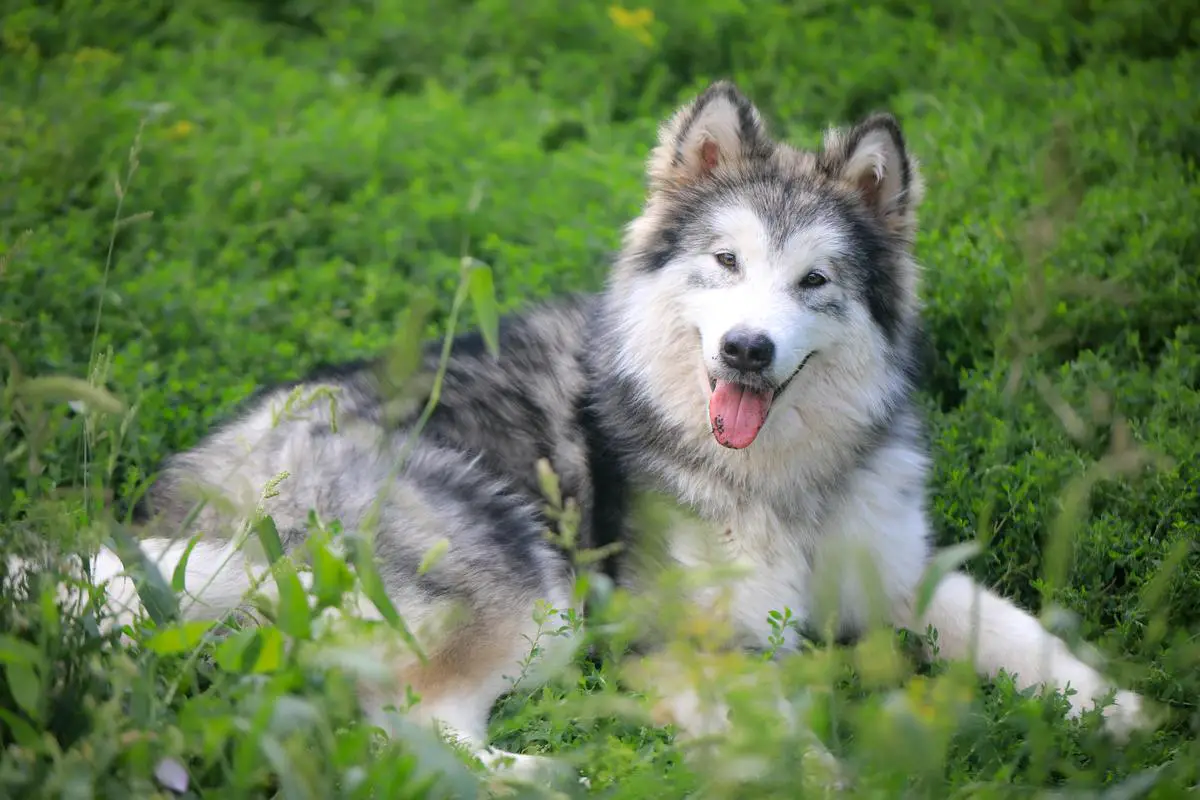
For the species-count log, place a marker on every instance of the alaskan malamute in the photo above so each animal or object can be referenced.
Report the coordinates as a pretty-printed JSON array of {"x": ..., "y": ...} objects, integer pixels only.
[{"x": 752, "y": 358}]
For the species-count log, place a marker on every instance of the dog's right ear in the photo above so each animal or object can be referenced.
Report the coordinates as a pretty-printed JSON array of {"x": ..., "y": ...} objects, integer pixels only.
[{"x": 719, "y": 128}]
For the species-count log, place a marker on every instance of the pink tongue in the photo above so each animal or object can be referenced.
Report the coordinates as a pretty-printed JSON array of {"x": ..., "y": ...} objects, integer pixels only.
[{"x": 737, "y": 413}]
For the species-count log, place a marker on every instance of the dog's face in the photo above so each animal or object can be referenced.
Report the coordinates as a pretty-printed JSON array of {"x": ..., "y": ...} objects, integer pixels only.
[
  {"x": 776, "y": 261},
  {"x": 765, "y": 297}
]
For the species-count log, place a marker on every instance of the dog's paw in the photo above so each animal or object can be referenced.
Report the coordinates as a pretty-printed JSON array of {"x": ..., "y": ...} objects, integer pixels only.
[
  {"x": 692, "y": 716},
  {"x": 529, "y": 769},
  {"x": 824, "y": 774},
  {"x": 1127, "y": 714}
]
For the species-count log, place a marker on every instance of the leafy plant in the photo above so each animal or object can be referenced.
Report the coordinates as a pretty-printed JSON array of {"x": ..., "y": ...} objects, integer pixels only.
[{"x": 313, "y": 182}]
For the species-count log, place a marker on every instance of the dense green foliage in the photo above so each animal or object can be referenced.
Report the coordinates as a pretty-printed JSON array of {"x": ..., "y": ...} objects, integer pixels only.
[{"x": 279, "y": 181}]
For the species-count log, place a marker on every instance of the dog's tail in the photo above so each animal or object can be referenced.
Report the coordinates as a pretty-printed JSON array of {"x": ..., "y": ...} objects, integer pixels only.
[{"x": 215, "y": 579}]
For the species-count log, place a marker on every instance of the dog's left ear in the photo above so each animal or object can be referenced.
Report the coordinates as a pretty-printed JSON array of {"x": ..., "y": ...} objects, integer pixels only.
[
  {"x": 873, "y": 160},
  {"x": 719, "y": 128}
]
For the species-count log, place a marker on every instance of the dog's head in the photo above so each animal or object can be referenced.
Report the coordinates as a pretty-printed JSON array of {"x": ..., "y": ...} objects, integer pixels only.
[{"x": 756, "y": 266}]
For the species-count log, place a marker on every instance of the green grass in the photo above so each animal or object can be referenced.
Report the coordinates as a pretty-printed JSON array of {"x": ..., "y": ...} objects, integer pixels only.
[{"x": 279, "y": 182}]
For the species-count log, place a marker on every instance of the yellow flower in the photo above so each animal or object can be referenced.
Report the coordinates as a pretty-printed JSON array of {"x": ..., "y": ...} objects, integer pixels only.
[
  {"x": 920, "y": 700},
  {"x": 17, "y": 42},
  {"x": 180, "y": 129},
  {"x": 637, "y": 22},
  {"x": 940, "y": 699},
  {"x": 94, "y": 56}
]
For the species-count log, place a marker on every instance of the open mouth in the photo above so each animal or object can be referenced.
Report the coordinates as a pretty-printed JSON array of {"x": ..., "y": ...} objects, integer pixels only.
[{"x": 738, "y": 411}]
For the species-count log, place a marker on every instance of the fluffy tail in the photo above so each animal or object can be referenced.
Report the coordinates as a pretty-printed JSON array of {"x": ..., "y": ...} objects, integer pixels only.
[{"x": 215, "y": 579}]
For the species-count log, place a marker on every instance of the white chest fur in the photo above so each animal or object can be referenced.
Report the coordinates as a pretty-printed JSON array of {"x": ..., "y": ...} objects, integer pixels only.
[
  {"x": 860, "y": 565},
  {"x": 744, "y": 568}
]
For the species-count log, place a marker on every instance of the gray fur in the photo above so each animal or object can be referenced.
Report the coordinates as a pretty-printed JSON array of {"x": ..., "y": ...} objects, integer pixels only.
[{"x": 613, "y": 391}]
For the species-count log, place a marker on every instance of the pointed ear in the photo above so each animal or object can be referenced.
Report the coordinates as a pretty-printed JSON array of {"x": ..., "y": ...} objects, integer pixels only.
[
  {"x": 719, "y": 128},
  {"x": 871, "y": 158}
]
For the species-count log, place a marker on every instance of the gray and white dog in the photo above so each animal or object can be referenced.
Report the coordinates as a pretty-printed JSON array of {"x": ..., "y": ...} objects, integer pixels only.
[{"x": 753, "y": 358}]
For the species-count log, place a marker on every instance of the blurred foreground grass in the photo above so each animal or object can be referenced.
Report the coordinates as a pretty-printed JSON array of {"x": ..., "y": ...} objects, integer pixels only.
[{"x": 301, "y": 173}]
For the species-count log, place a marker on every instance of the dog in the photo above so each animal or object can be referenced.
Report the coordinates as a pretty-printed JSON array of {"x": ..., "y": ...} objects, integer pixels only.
[{"x": 753, "y": 358}]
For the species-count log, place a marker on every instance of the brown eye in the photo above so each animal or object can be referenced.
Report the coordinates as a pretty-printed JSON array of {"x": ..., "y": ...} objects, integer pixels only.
[
  {"x": 813, "y": 279},
  {"x": 727, "y": 260}
]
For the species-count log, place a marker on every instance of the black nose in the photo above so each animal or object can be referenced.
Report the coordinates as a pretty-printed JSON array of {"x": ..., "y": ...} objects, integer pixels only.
[{"x": 747, "y": 351}]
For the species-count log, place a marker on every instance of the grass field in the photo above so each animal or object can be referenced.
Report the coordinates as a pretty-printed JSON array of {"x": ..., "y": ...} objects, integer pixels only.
[{"x": 196, "y": 198}]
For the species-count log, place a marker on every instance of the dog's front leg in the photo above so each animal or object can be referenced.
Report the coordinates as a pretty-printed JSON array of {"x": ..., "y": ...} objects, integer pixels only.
[
  {"x": 695, "y": 698},
  {"x": 974, "y": 622}
]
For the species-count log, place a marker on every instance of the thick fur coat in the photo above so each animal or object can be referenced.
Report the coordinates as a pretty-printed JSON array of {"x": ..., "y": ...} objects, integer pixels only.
[{"x": 753, "y": 359}]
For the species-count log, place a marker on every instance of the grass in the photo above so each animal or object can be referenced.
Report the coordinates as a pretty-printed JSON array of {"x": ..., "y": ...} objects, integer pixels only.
[{"x": 202, "y": 197}]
